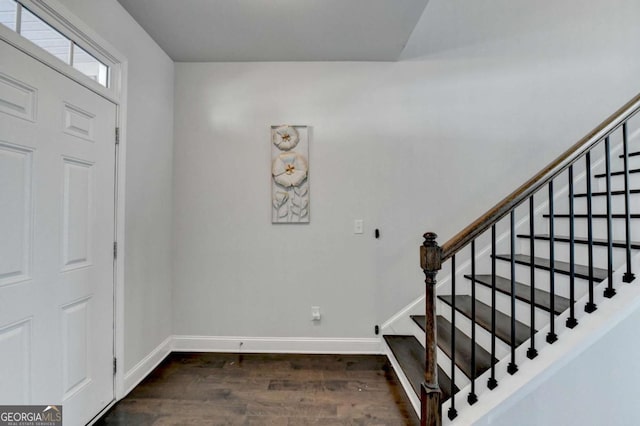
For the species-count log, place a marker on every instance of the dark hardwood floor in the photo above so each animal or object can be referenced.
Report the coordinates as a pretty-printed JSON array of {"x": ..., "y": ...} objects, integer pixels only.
[{"x": 266, "y": 389}]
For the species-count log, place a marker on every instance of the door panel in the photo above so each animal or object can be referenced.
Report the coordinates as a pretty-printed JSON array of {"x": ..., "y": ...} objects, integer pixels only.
[
  {"x": 15, "y": 351},
  {"x": 57, "y": 162},
  {"x": 18, "y": 98},
  {"x": 15, "y": 170},
  {"x": 76, "y": 227}
]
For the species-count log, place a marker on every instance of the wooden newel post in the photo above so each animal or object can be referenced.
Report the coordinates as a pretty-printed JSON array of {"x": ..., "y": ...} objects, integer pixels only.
[{"x": 430, "y": 262}]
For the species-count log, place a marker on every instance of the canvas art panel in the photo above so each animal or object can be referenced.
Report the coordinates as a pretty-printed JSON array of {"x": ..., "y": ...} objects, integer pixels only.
[{"x": 290, "y": 174}]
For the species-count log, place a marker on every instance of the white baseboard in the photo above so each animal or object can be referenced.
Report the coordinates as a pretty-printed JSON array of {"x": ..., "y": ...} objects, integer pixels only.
[
  {"x": 309, "y": 345},
  {"x": 277, "y": 345},
  {"x": 142, "y": 369}
]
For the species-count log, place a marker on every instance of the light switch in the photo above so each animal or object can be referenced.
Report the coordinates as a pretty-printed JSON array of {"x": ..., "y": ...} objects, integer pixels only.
[
  {"x": 315, "y": 313},
  {"x": 358, "y": 226}
]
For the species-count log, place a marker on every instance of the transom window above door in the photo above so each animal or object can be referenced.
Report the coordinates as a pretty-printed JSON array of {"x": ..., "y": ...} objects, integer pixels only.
[{"x": 15, "y": 16}]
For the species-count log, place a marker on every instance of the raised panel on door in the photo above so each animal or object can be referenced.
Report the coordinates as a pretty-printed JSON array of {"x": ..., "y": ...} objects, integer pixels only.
[
  {"x": 17, "y": 98},
  {"x": 75, "y": 347},
  {"x": 15, "y": 353},
  {"x": 78, "y": 122},
  {"x": 76, "y": 213},
  {"x": 15, "y": 213}
]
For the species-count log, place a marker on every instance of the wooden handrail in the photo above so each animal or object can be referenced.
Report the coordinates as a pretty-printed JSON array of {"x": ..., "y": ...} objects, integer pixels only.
[{"x": 531, "y": 186}]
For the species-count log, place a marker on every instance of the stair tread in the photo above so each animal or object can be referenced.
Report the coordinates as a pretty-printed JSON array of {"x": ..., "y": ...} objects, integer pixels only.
[
  {"x": 420, "y": 320},
  {"x": 582, "y": 240},
  {"x": 581, "y": 271},
  {"x": 595, "y": 216},
  {"x": 462, "y": 349},
  {"x": 618, "y": 173},
  {"x": 630, "y": 154},
  {"x": 483, "y": 319},
  {"x": 410, "y": 354},
  {"x": 603, "y": 193},
  {"x": 523, "y": 292},
  {"x": 463, "y": 346}
]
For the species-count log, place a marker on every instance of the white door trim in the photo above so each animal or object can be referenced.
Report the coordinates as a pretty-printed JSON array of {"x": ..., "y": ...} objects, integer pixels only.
[{"x": 69, "y": 24}]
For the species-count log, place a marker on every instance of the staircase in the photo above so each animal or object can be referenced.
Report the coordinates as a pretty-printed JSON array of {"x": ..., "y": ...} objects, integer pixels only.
[{"x": 524, "y": 274}]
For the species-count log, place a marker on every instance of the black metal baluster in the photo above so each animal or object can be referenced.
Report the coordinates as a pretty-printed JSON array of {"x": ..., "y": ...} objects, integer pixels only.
[
  {"x": 512, "y": 368},
  {"x": 551, "y": 335},
  {"x": 572, "y": 321},
  {"x": 590, "y": 306},
  {"x": 532, "y": 352},
  {"x": 492, "y": 383},
  {"x": 609, "y": 292},
  {"x": 628, "y": 275},
  {"x": 472, "y": 398},
  {"x": 452, "y": 410}
]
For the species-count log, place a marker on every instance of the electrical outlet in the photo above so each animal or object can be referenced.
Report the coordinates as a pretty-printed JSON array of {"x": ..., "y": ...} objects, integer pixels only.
[
  {"x": 315, "y": 313},
  {"x": 358, "y": 226}
]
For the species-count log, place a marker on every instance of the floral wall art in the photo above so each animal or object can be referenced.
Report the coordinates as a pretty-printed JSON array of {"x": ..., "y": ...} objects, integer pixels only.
[{"x": 289, "y": 174}]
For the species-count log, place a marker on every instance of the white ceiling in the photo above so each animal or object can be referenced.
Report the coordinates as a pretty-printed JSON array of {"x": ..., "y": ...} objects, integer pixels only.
[{"x": 278, "y": 30}]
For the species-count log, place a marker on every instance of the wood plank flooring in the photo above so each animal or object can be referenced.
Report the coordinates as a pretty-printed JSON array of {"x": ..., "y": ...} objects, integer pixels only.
[{"x": 266, "y": 389}]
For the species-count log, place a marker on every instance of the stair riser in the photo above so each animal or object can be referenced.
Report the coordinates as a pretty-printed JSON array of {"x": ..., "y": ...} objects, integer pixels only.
[
  {"x": 418, "y": 333},
  {"x": 618, "y": 226},
  {"x": 597, "y": 185},
  {"x": 461, "y": 380},
  {"x": 523, "y": 309},
  {"x": 599, "y": 205},
  {"x": 443, "y": 360},
  {"x": 563, "y": 251},
  {"x": 483, "y": 337},
  {"x": 561, "y": 281},
  {"x": 483, "y": 266},
  {"x": 618, "y": 164},
  {"x": 462, "y": 284},
  {"x": 617, "y": 182}
]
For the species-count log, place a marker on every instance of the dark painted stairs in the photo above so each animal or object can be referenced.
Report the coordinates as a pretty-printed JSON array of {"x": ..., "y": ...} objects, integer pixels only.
[{"x": 410, "y": 354}]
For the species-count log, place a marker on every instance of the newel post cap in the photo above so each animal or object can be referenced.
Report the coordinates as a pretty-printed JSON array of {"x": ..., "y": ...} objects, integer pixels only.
[
  {"x": 430, "y": 253},
  {"x": 430, "y": 238}
]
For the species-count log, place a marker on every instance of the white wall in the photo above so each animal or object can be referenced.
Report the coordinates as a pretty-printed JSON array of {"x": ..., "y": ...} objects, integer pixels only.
[
  {"x": 148, "y": 308},
  {"x": 487, "y": 95}
]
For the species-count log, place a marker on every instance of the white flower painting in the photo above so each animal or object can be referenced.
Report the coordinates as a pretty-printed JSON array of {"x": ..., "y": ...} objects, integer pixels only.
[
  {"x": 285, "y": 138},
  {"x": 290, "y": 174},
  {"x": 289, "y": 169}
]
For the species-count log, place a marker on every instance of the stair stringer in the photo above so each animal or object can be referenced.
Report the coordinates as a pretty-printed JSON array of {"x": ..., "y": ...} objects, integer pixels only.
[{"x": 552, "y": 357}]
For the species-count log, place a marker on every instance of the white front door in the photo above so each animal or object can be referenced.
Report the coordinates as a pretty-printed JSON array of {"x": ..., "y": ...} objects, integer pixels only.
[{"x": 57, "y": 158}]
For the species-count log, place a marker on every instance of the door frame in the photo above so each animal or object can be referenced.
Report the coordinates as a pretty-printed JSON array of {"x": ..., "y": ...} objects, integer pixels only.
[{"x": 59, "y": 17}]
